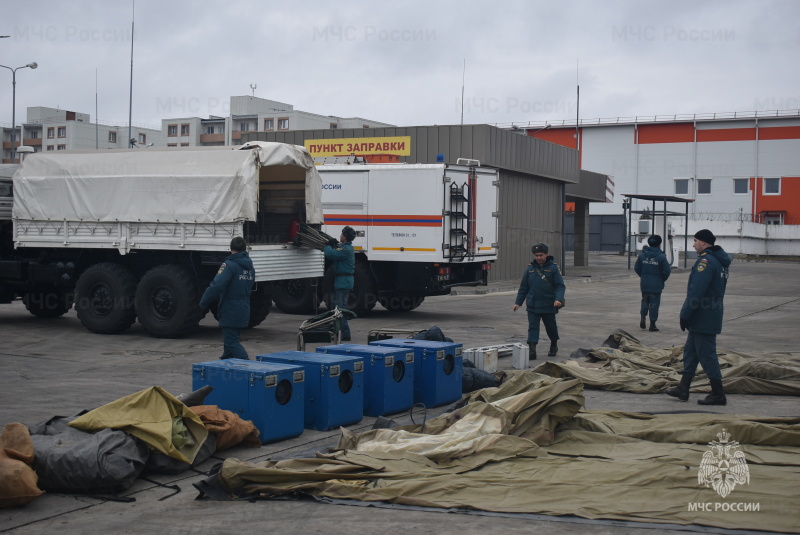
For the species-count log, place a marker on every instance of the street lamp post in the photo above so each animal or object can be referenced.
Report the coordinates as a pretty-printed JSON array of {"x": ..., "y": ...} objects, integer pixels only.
[{"x": 32, "y": 65}]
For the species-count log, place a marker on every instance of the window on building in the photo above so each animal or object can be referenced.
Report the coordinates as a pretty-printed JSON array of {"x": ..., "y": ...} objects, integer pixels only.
[
  {"x": 704, "y": 186},
  {"x": 283, "y": 123},
  {"x": 334, "y": 126},
  {"x": 681, "y": 186},
  {"x": 184, "y": 144},
  {"x": 51, "y": 132},
  {"x": 50, "y": 147},
  {"x": 184, "y": 129},
  {"x": 112, "y": 137},
  {"x": 142, "y": 139},
  {"x": 740, "y": 186},
  {"x": 365, "y": 126},
  {"x": 772, "y": 186},
  {"x": 244, "y": 127},
  {"x": 62, "y": 131},
  {"x": 209, "y": 130},
  {"x": 269, "y": 124},
  {"x": 34, "y": 134},
  {"x": 172, "y": 144},
  {"x": 172, "y": 130},
  {"x": 62, "y": 147}
]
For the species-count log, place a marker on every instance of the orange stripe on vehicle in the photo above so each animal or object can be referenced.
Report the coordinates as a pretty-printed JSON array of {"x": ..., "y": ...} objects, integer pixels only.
[
  {"x": 727, "y": 134},
  {"x": 384, "y": 220},
  {"x": 666, "y": 133},
  {"x": 779, "y": 132}
]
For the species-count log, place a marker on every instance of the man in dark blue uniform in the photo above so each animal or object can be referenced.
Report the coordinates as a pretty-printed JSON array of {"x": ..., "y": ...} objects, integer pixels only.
[
  {"x": 653, "y": 270},
  {"x": 344, "y": 265},
  {"x": 542, "y": 289},
  {"x": 702, "y": 316},
  {"x": 231, "y": 290}
]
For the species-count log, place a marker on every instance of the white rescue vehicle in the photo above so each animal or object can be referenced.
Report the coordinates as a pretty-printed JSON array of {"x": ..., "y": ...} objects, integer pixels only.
[{"x": 422, "y": 229}]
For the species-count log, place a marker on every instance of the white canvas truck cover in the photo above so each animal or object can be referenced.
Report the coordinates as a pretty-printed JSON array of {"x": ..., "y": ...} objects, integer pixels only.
[{"x": 187, "y": 186}]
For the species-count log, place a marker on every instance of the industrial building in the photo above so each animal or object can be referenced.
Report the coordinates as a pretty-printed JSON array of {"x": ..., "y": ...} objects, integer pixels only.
[
  {"x": 536, "y": 177},
  {"x": 48, "y": 129},
  {"x": 741, "y": 170}
]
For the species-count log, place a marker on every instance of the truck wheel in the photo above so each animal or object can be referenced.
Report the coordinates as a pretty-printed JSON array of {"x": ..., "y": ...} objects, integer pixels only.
[
  {"x": 104, "y": 298},
  {"x": 167, "y": 302},
  {"x": 364, "y": 294},
  {"x": 260, "y": 303},
  {"x": 47, "y": 304},
  {"x": 401, "y": 302},
  {"x": 295, "y": 296}
]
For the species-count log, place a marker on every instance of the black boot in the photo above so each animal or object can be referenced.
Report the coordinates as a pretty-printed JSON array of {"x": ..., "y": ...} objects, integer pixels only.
[
  {"x": 653, "y": 327},
  {"x": 642, "y": 324},
  {"x": 682, "y": 390},
  {"x": 531, "y": 351},
  {"x": 553, "y": 349},
  {"x": 717, "y": 395}
]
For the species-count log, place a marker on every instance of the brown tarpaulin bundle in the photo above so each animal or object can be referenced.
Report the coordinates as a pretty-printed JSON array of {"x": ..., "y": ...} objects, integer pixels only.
[
  {"x": 17, "y": 478},
  {"x": 599, "y": 465},
  {"x": 228, "y": 429},
  {"x": 627, "y": 365}
]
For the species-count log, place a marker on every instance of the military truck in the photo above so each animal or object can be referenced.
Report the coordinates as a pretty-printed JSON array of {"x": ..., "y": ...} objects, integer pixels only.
[{"x": 139, "y": 234}]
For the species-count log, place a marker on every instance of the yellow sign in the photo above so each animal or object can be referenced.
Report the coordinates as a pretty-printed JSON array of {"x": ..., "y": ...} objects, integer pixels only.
[{"x": 398, "y": 146}]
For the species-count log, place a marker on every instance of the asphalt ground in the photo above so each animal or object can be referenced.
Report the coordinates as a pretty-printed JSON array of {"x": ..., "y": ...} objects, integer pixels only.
[{"x": 56, "y": 367}]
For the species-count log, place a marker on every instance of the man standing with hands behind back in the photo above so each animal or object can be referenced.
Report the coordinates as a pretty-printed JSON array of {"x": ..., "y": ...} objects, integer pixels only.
[
  {"x": 701, "y": 314},
  {"x": 542, "y": 289}
]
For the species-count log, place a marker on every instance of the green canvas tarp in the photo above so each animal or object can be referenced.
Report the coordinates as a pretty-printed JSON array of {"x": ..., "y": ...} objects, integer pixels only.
[
  {"x": 526, "y": 447},
  {"x": 154, "y": 416},
  {"x": 624, "y": 364}
]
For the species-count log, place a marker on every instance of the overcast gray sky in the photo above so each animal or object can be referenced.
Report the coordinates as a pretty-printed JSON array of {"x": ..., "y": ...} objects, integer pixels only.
[{"x": 401, "y": 62}]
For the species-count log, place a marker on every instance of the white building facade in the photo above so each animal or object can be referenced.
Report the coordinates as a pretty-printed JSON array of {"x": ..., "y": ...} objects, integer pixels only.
[
  {"x": 50, "y": 129},
  {"x": 729, "y": 165},
  {"x": 252, "y": 114}
]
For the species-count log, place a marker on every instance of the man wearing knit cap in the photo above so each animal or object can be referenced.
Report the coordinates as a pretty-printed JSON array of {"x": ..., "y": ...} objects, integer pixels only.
[{"x": 701, "y": 314}]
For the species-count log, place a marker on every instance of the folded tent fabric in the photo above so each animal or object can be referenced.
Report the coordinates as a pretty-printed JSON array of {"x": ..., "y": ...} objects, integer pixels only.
[
  {"x": 149, "y": 415},
  {"x": 598, "y": 465},
  {"x": 624, "y": 364},
  {"x": 71, "y": 460}
]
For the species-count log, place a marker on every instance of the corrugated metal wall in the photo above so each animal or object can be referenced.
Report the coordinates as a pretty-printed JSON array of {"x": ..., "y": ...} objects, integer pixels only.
[
  {"x": 532, "y": 174},
  {"x": 530, "y": 212}
]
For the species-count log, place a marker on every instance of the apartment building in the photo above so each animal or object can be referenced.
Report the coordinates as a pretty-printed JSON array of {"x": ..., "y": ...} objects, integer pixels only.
[
  {"x": 252, "y": 114},
  {"x": 48, "y": 129}
]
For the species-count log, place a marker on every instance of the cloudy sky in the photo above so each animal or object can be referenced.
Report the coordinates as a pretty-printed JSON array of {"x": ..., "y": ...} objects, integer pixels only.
[{"x": 402, "y": 62}]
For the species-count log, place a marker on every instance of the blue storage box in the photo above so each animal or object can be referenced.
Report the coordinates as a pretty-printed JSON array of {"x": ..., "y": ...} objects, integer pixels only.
[
  {"x": 437, "y": 369},
  {"x": 268, "y": 394},
  {"x": 334, "y": 387},
  {"x": 388, "y": 376}
]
